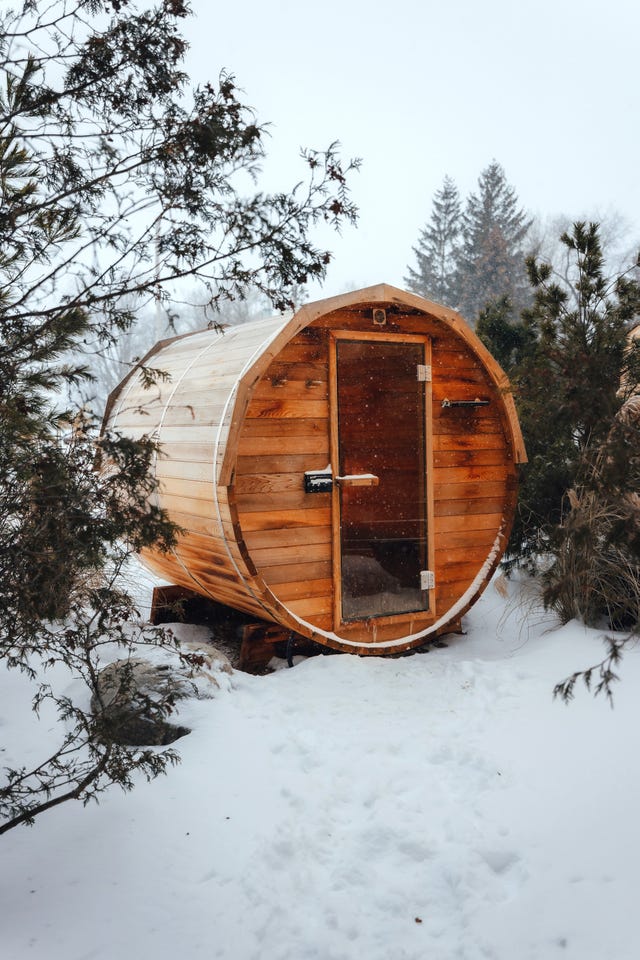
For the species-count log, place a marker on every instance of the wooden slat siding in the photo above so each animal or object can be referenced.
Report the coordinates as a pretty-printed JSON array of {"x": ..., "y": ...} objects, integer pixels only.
[
  {"x": 202, "y": 490},
  {"x": 313, "y": 443},
  {"x": 282, "y": 502},
  {"x": 467, "y": 539},
  {"x": 310, "y": 607},
  {"x": 299, "y": 589},
  {"x": 288, "y": 409},
  {"x": 458, "y": 476},
  {"x": 460, "y": 572},
  {"x": 195, "y": 524},
  {"x": 199, "y": 471},
  {"x": 287, "y": 537},
  {"x": 181, "y": 503},
  {"x": 263, "y": 454},
  {"x": 323, "y": 621},
  {"x": 460, "y": 494},
  {"x": 479, "y": 473},
  {"x": 198, "y": 433},
  {"x": 294, "y": 464},
  {"x": 463, "y": 508},
  {"x": 471, "y": 458},
  {"x": 447, "y": 358},
  {"x": 211, "y": 569},
  {"x": 267, "y": 520},
  {"x": 197, "y": 415},
  {"x": 447, "y": 523},
  {"x": 277, "y": 430},
  {"x": 185, "y": 451},
  {"x": 374, "y": 631},
  {"x": 299, "y": 351},
  {"x": 266, "y": 483},
  {"x": 228, "y": 593},
  {"x": 293, "y": 572},
  {"x": 447, "y": 555},
  {"x": 472, "y": 465},
  {"x": 464, "y": 419},
  {"x": 213, "y": 547},
  {"x": 284, "y": 434},
  {"x": 229, "y": 355},
  {"x": 450, "y": 593},
  {"x": 471, "y": 441},
  {"x": 202, "y": 548},
  {"x": 305, "y": 372},
  {"x": 298, "y": 389},
  {"x": 296, "y": 553},
  {"x": 199, "y": 385}
]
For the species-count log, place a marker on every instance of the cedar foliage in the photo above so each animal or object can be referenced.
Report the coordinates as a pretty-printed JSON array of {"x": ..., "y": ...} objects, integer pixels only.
[{"x": 116, "y": 183}]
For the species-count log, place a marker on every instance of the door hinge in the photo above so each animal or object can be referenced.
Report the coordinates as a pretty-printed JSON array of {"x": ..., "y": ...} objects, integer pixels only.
[
  {"x": 427, "y": 580},
  {"x": 424, "y": 373}
]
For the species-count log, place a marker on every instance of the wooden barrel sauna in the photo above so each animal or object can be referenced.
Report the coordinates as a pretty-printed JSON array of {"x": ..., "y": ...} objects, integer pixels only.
[{"x": 348, "y": 473}]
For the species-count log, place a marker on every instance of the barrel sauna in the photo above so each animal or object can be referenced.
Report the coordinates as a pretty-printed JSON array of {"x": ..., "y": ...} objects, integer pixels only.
[{"x": 348, "y": 473}]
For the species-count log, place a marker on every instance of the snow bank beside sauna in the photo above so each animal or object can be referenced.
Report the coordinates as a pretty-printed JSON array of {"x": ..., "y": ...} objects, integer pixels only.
[{"x": 321, "y": 812}]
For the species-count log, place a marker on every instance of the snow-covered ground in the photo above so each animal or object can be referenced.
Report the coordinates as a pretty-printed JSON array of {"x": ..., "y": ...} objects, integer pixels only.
[{"x": 440, "y": 806}]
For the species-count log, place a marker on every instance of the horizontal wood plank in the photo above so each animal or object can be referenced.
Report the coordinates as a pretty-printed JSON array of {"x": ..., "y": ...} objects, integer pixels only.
[
  {"x": 309, "y": 607},
  {"x": 275, "y": 388},
  {"x": 287, "y": 537},
  {"x": 461, "y": 493},
  {"x": 306, "y": 443},
  {"x": 278, "y": 463},
  {"x": 478, "y": 473},
  {"x": 280, "y": 501},
  {"x": 467, "y": 441},
  {"x": 283, "y": 519},
  {"x": 465, "y": 508},
  {"x": 269, "y": 483},
  {"x": 496, "y": 456},
  {"x": 300, "y": 589},
  {"x": 297, "y": 427},
  {"x": 292, "y": 573},
  {"x": 275, "y": 556},
  {"x": 285, "y": 409},
  {"x": 447, "y": 555}
]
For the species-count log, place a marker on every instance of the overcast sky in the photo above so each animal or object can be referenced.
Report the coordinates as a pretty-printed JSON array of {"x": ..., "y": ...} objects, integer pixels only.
[{"x": 419, "y": 89}]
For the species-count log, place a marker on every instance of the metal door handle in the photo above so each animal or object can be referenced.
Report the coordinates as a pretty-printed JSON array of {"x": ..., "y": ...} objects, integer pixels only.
[{"x": 357, "y": 480}]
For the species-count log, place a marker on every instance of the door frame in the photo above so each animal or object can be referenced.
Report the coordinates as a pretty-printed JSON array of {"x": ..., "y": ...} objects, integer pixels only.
[{"x": 390, "y": 337}]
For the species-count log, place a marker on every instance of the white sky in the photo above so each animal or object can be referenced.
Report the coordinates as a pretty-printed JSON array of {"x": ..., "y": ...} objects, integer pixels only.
[{"x": 423, "y": 89}]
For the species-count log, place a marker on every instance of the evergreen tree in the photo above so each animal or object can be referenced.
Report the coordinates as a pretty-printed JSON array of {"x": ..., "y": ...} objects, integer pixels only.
[
  {"x": 115, "y": 184},
  {"x": 576, "y": 373},
  {"x": 502, "y": 333},
  {"x": 435, "y": 252},
  {"x": 490, "y": 257}
]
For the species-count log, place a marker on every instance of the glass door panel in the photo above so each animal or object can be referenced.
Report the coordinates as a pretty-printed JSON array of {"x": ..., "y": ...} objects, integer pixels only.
[{"x": 381, "y": 435}]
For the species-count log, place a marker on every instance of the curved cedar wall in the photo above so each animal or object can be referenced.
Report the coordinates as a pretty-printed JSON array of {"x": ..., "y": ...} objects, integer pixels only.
[{"x": 248, "y": 412}]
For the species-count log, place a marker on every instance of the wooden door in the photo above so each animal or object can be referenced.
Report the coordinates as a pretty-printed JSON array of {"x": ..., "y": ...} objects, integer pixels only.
[{"x": 381, "y": 499}]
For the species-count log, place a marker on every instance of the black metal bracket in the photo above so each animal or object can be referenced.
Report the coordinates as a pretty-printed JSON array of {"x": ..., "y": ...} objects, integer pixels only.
[
  {"x": 318, "y": 481},
  {"x": 465, "y": 403}
]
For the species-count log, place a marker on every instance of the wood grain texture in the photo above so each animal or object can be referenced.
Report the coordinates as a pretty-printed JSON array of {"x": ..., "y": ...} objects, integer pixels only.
[{"x": 266, "y": 546}]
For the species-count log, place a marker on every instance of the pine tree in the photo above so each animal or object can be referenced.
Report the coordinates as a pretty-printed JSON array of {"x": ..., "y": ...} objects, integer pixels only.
[
  {"x": 503, "y": 333},
  {"x": 576, "y": 373},
  {"x": 436, "y": 248},
  {"x": 490, "y": 257}
]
